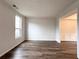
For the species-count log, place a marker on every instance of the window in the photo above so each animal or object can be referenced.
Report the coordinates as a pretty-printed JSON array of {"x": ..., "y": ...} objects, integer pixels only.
[{"x": 18, "y": 27}]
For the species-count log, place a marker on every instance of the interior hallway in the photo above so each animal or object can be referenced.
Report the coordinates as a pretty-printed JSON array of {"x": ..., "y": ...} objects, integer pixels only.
[{"x": 41, "y": 50}]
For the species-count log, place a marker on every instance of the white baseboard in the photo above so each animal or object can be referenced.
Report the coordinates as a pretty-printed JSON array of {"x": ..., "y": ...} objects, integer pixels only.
[{"x": 42, "y": 39}]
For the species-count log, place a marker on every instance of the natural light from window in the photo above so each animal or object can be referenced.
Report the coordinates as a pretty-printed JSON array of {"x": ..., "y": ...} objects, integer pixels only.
[{"x": 18, "y": 26}]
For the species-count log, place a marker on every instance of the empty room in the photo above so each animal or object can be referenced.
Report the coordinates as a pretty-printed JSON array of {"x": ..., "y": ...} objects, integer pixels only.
[{"x": 39, "y": 29}]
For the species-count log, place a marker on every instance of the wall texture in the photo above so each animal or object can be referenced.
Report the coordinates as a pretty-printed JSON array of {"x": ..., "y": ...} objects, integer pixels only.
[
  {"x": 7, "y": 28},
  {"x": 41, "y": 29}
]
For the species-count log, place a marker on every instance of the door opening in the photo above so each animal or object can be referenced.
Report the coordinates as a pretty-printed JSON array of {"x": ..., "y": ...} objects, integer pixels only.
[{"x": 68, "y": 33}]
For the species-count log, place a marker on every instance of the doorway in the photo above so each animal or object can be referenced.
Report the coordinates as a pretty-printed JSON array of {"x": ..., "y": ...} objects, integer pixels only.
[{"x": 68, "y": 33}]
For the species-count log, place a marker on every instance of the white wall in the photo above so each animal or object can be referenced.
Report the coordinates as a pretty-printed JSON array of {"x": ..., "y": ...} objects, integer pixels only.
[
  {"x": 58, "y": 31},
  {"x": 78, "y": 35},
  {"x": 7, "y": 28},
  {"x": 41, "y": 29}
]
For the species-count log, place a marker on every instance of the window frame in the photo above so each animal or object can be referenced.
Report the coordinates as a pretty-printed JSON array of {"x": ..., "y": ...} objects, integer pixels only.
[{"x": 19, "y": 33}]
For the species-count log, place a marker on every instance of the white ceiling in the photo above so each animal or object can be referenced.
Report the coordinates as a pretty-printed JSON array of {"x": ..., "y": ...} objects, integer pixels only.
[{"x": 40, "y": 8}]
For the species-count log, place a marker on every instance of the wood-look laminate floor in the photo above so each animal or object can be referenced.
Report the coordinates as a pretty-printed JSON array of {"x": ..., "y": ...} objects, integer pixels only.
[{"x": 40, "y": 50}]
